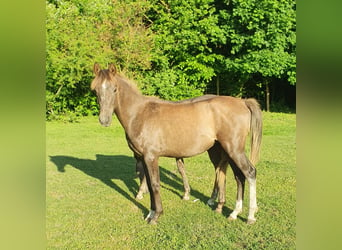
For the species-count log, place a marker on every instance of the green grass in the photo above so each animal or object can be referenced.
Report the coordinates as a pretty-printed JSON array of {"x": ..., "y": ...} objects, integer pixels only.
[{"x": 91, "y": 185}]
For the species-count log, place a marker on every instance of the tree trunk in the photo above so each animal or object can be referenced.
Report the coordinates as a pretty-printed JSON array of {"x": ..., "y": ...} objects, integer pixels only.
[
  {"x": 267, "y": 97},
  {"x": 217, "y": 86}
]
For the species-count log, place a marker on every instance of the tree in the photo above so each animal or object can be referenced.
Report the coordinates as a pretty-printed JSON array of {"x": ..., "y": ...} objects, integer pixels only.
[
  {"x": 81, "y": 32},
  {"x": 174, "y": 49},
  {"x": 182, "y": 59},
  {"x": 261, "y": 42}
]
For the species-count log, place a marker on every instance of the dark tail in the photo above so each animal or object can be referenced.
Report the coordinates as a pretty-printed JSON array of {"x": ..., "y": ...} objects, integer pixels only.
[{"x": 256, "y": 128}]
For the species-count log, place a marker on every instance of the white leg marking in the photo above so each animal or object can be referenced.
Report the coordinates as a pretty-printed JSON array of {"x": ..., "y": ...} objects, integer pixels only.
[
  {"x": 186, "y": 197},
  {"x": 237, "y": 210},
  {"x": 140, "y": 195},
  {"x": 252, "y": 201},
  {"x": 150, "y": 215}
]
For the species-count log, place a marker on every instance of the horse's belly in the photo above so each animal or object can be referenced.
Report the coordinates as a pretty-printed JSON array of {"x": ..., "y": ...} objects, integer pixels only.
[
  {"x": 180, "y": 135},
  {"x": 186, "y": 146}
]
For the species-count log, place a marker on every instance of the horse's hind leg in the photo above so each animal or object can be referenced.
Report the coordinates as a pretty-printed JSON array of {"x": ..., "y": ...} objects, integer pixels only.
[
  {"x": 181, "y": 169},
  {"x": 238, "y": 156},
  {"x": 240, "y": 182},
  {"x": 249, "y": 171}
]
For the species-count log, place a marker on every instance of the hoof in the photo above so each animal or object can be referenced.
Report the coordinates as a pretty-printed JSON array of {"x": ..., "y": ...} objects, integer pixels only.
[
  {"x": 152, "y": 222},
  {"x": 150, "y": 216},
  {"x": 139, "y": 197},
  {"x": 251, "y": 221},
  {"x": 218, "y": 210},
  {"x": 210, "y": 202},
  {"x": 230, "y": 218},
  {"x": 186, "y": 198}
]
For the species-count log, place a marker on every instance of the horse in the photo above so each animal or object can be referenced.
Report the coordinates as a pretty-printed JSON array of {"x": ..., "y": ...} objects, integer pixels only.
[
  {"x": 157, "y": 129},
  {"x": 179, "y": 162},
  {"x": 214, "y": 155}
]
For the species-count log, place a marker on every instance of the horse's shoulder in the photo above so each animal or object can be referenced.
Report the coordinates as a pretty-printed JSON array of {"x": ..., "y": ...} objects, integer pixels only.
[{"x": 153, "y": 105}]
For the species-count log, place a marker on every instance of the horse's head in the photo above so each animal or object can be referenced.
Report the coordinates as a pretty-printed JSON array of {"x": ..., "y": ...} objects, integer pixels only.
[{"x": 105, "y": 86}]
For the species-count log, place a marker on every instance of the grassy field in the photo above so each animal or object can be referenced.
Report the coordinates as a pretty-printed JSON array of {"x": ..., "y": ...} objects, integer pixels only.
[{"x": 91, "y": 185}]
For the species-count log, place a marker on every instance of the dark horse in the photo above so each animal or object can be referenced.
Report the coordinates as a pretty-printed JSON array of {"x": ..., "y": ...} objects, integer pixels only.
[{"x": 162, "y": 129}]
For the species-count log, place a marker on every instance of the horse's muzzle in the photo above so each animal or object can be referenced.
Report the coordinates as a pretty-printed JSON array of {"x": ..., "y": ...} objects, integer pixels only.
[{"x": 105, "y": 120}]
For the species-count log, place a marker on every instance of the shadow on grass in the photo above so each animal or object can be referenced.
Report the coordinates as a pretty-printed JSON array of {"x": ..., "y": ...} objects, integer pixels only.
[{"x": 105, "y": 168}]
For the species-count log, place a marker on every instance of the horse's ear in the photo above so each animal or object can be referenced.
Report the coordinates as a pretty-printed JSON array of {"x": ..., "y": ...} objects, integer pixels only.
[
  {"x": 112, "y": 69},
  {"x": 96, "y": 68}
]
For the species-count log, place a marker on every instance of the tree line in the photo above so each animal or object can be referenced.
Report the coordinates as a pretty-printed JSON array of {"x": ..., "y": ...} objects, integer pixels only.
[{"x": 173, "y": 49}]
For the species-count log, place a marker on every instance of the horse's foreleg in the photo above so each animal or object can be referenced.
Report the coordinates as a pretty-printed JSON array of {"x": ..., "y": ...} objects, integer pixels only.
[
  {"x": 181, "y": 170},
  {"x": 142, "y": 177},
  {"x": 240, "y": 182},
  {"x": 143, "y": 189},
  {"x": 152, "y": 202},
  {"x": 153, "y": 182},
  {"x": 216, "y": 155}
]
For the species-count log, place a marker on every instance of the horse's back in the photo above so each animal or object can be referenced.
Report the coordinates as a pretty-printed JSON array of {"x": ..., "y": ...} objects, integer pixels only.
[
  {"x": 195, "y": 126},
  {"x": 203, "y": 115}
]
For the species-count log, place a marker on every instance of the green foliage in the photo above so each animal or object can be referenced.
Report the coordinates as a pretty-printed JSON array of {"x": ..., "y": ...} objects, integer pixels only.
[
  {"x": 173, "y": 49},
  {"x": 261, "y": 40},
  {"x": 79, "y": 33},
  {"x": 183, "y": 61}
]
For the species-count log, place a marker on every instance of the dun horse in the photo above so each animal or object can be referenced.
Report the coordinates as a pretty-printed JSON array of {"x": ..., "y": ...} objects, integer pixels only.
[
  {"x": 161, "y": 129},
  {"x": 179, "y": 162},
  {"x": 214, "y": 155}
]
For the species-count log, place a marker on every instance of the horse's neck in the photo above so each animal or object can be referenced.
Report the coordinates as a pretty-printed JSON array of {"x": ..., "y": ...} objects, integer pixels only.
[{"x": 129, "y": 101}]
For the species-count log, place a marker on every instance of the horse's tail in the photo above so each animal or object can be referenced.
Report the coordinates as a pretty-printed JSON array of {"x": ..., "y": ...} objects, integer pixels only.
[{"x": 256, "y": 128}]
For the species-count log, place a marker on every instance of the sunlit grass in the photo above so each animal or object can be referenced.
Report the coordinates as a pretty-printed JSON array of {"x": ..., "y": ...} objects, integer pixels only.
[{"x": 91, "y": 185}]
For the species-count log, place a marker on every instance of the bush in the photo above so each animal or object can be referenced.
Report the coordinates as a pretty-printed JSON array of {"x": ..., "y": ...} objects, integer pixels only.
[
  {"x": 173, "y": 49},
  {"x": 82, "y": 32}
]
